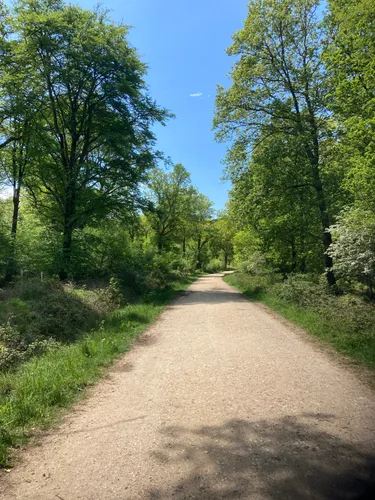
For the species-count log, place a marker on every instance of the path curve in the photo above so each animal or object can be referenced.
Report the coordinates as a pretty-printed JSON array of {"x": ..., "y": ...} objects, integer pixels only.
[{"x": 218, "y": 401}]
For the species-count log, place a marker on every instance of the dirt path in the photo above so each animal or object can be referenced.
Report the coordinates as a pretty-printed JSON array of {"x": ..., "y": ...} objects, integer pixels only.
[{"x": 218, "y": 401}]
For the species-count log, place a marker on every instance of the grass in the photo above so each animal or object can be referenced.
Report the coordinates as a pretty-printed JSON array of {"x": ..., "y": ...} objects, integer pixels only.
[
  {"x": 348, "y": 327},
  {"x": 35, "y": 394}
]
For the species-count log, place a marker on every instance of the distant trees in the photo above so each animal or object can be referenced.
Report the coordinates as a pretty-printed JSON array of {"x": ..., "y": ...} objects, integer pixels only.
[
  {"x": 202, "y": 225},
  {"x": 223, "y": 237},
  {"x": 171, "y": 194}
]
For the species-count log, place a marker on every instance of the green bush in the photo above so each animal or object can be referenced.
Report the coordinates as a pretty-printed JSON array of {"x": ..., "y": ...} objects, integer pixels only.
[
  {"x": 16, "y": 348},
  {"x": 37, "y": 316},
  {"x": 165, "y": 268},
  {"x": 214, "y": 266},
  {"x": 304, "y": 289}
]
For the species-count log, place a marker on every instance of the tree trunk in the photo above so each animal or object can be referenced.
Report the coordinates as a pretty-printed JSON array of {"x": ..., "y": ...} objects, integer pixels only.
[
  {"x": 313, "y": 152},
  {"x": 199, "y": 248},
  {"x": 294, "y": 255},
  {"x": 225, "y": 261},
  {"x": 69, "y": 212},
  {"x": 326, "y": 235},
  {"x": 11, "y": 264},
  {"x": 66, "y": 250},
  {"x": 314, "y": 155}
]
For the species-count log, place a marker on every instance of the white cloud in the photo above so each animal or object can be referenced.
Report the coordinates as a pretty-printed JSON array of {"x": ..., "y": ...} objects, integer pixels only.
[{"x": 198, "y": 94}]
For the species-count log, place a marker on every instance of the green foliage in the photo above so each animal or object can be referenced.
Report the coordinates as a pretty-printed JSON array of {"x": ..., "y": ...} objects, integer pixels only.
[
  {"x": 275, "y": 116},
  {"x": 349, "y": 57},
  {"x": 4, "y": 237},
  {"x": 36, "y": 316},
  {"x": 171, "y": 194},
  {"x": 81, "y": 116},
  {"x": 222, "y": 239},
  {"x": 214, "y": 266},
  {"x": 305, "y": 290}
]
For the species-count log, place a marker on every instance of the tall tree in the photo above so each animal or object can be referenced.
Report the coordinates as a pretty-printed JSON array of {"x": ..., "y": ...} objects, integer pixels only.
[
  {"x": 95, "y": 140},
  {"x": 171, "y": 194},
  {"x": 19, "y": 100},
  {"x": 278, "y": 88},
  {"x": 276, "y": 198},
  {"x": 224, "y": 234},
  {"x": 202, "y": 219}
]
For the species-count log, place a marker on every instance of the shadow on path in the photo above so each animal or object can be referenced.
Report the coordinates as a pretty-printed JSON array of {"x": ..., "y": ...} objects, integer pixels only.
[
  {"x": 217, "y": 296},
  {"x": 290, "y": 458}
]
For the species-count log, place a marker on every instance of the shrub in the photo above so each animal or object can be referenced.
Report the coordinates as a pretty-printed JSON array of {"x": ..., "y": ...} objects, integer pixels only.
[
  {"x": 255, "y": 265},
  {"x": 38, "y": 316},
  {"x": 214, "y": 266},
  {"x": 353, "y": 248},
  {"x": 304, "y": 289},
  {"x": 15, "y": 348}
]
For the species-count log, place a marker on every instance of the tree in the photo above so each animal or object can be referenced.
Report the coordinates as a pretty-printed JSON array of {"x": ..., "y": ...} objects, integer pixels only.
[
  {"x": 202, "y": 219},
  {"x": 275, "y": 197},
  {"x": 223, "y": 239},
  {"x": 350, "y": 60},
  {"x": 278, "y": 88},
  {"x": 19, "y": 101},
  {"x": 5, "y": 31},
  {"x": 95, "y": 139},
  {"x": 171, "y": 194},
  {"x": 4, "y": 235}
]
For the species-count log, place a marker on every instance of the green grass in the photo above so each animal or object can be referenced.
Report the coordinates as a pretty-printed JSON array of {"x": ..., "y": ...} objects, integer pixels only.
[
  {"x": 33, "y": 396},
  {"x": 332, "y": 324}
]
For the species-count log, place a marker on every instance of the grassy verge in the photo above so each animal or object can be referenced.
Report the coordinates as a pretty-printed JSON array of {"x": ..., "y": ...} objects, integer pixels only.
[
  {"x": 32, "y": 396},
  {"x": 345, "y": 324}
]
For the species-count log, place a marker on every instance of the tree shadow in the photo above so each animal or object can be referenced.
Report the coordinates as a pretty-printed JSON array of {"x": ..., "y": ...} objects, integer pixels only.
[
  {"x": 289, "y": 458},
  {"x": 218, "y": 296}
]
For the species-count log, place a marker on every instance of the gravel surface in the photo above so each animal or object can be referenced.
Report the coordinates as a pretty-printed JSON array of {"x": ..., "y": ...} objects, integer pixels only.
[{"x": 218, "y": 400}]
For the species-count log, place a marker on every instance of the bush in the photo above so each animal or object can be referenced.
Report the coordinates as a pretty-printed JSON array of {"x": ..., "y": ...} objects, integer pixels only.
[
  {"x": 353, "y": 248},
  {"x": 165, "y": 268},
  {"x": 304, "y": 289},
  {"x": 255, "y": 265},
  {"x": 15, "y": 348},
  {"x": 347, "y": 313},
  {"x": 214, "y": 266},
  {"x": 37, "y": 316}
]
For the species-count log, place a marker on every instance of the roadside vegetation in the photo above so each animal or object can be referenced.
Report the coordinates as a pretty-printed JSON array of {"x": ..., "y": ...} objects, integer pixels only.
[{"x": 299, "y": 120}]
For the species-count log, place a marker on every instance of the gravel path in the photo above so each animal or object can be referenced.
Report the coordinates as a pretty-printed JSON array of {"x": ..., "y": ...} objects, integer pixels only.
[{"x": 219, "y": 400}]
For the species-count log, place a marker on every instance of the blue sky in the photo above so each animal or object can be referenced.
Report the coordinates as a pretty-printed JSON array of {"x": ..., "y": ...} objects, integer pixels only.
[{"x": 184, "y": 42}]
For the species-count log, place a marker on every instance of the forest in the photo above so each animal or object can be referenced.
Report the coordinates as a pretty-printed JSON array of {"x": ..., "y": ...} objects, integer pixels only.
[{"x": 94, "y": 219}]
